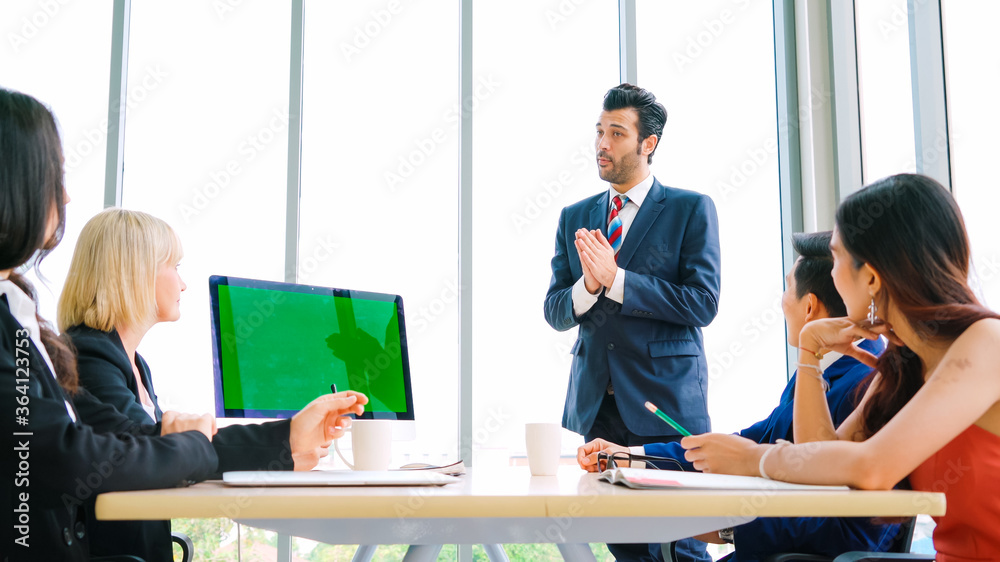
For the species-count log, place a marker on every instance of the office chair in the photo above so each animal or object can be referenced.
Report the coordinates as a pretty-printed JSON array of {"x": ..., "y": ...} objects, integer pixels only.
[
  {"x": 187, "y": 551},
  {"x": 856, "y": 556},
  {"x": 187, "y": 547},
  {"x": 905, "y": 534},
  {"x": 903, "y": 553}
]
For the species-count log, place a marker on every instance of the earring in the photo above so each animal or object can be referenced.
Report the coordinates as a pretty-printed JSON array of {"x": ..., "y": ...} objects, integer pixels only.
[{"x": 873, "y": 318}]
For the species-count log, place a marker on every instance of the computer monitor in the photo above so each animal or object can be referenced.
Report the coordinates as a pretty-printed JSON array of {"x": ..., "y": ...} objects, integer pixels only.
[{"x": 278, "y": 346}]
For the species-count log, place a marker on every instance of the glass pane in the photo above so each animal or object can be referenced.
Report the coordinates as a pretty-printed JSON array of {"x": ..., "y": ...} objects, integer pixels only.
[
  {"x": 883, "y": 42},
  {"x": 712, "y": 65},
  {"x": 380, "y": 183},
  {"x": 206, "y": 149},
  {"x": 545, "y": 94},
  {"x": 59, "y": 53},
  {"x": 972, "y": 65}
]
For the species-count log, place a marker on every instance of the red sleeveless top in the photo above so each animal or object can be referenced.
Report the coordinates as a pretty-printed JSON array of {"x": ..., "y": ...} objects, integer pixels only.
[{"x": 967, "y": 470}]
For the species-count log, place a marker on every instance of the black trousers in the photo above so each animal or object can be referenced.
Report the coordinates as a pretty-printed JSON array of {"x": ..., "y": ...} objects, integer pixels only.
[{"x": 608, "y": 425}]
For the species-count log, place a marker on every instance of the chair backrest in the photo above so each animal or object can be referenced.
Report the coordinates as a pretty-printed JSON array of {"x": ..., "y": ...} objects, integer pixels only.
[
  {"x": 187, "y": 547},
  {"x": 904, "y": 537}
]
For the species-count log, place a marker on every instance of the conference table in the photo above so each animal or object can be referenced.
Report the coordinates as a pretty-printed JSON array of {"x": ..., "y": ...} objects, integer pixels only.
[{"x": 501, "y": 505}]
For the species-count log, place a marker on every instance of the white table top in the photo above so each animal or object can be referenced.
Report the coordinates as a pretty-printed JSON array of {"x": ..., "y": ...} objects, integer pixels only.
[{"x": 505, "y": 493}]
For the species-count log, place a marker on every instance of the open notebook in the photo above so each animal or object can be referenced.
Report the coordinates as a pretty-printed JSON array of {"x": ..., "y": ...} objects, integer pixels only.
[
  {"x": 261, "y": 478},
  {"x": 646, "y": 478}
]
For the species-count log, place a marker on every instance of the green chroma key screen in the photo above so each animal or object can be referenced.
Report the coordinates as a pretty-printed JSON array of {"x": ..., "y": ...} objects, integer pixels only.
[{"x": 278, "y": 346}]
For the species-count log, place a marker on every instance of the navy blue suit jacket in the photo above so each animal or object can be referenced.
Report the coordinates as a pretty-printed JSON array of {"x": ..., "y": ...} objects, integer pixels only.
[
  {"x": 650, "y": 346},
  {"x": 828, "y": 536}
]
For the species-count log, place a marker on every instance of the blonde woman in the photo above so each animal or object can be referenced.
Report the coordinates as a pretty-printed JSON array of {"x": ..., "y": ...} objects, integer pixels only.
[{"x": 122, "y": 281}]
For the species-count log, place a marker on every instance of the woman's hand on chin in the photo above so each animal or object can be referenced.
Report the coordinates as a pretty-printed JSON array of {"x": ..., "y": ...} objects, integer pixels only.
[{"x": 838, "y": 334}]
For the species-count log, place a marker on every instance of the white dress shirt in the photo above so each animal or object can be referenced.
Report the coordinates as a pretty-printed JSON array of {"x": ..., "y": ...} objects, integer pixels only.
[{"x": 583, "y": 300}]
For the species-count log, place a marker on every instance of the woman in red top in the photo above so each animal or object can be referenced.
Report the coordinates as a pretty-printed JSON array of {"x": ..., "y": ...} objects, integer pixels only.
[{"x": 932, "y": 412}]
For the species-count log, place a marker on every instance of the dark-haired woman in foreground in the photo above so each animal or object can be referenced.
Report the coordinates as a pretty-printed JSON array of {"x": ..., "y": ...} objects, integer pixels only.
[
  {"x": 54, "y": 464},
  {"x": 932, "y": 412}
]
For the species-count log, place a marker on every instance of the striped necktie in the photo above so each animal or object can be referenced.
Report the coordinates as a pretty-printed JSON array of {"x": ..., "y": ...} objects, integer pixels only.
[{"x": 615, "y": 227}]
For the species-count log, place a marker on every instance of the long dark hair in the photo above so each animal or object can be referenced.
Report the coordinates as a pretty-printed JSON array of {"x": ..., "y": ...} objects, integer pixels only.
[
  {"x": 909, "y": 229},
  {"x": 31, "y": 186}
]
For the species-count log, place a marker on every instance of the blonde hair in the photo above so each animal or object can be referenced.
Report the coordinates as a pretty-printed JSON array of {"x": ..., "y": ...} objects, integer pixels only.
[{"x": 112, "y": 278}]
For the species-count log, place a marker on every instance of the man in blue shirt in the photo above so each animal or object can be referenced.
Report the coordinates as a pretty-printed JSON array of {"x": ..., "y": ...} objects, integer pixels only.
[{"x": 809, "y": 295}]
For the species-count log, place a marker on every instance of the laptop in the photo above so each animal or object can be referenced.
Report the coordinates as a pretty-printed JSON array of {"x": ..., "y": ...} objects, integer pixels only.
[{"x": 260, "y": 478}]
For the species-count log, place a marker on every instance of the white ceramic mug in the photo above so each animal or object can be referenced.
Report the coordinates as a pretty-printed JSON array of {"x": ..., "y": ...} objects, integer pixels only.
[
  {"x": 543, "y": 441},
  {"x": 371, "y": 441}
]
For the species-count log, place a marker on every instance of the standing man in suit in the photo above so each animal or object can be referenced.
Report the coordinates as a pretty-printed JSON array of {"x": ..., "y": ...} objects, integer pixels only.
[{"x": 637, "y": 267}]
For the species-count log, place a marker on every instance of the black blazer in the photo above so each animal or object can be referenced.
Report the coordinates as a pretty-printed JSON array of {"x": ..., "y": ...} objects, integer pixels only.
[
  {"x": 106, "y": 373},
  {"x": 55, "y": 471}
]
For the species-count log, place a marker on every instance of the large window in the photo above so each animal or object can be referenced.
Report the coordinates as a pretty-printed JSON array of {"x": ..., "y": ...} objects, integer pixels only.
[
  {"x": 206, "y": 148},
  {"x": 206, "y": 143},
  {"x": 379, "y": 204},
  {"x": 59, "y": 53},
  {"x": 533, "y": 155},
  {"x": 885, "y": 90},
  {"x": 972, "y": 65},
  {"x": 712, "y": 66}
]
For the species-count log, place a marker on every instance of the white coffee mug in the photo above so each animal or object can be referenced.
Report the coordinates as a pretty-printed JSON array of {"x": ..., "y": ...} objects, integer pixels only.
[
  {"x": 371, "y": 441},
  {"x": 543, "y": 441}
]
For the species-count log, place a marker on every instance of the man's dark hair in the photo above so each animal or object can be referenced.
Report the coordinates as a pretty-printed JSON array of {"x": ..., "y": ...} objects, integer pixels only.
[
  {"x": 812, "y": 272},
  {"x": 652, "y": 114}
]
